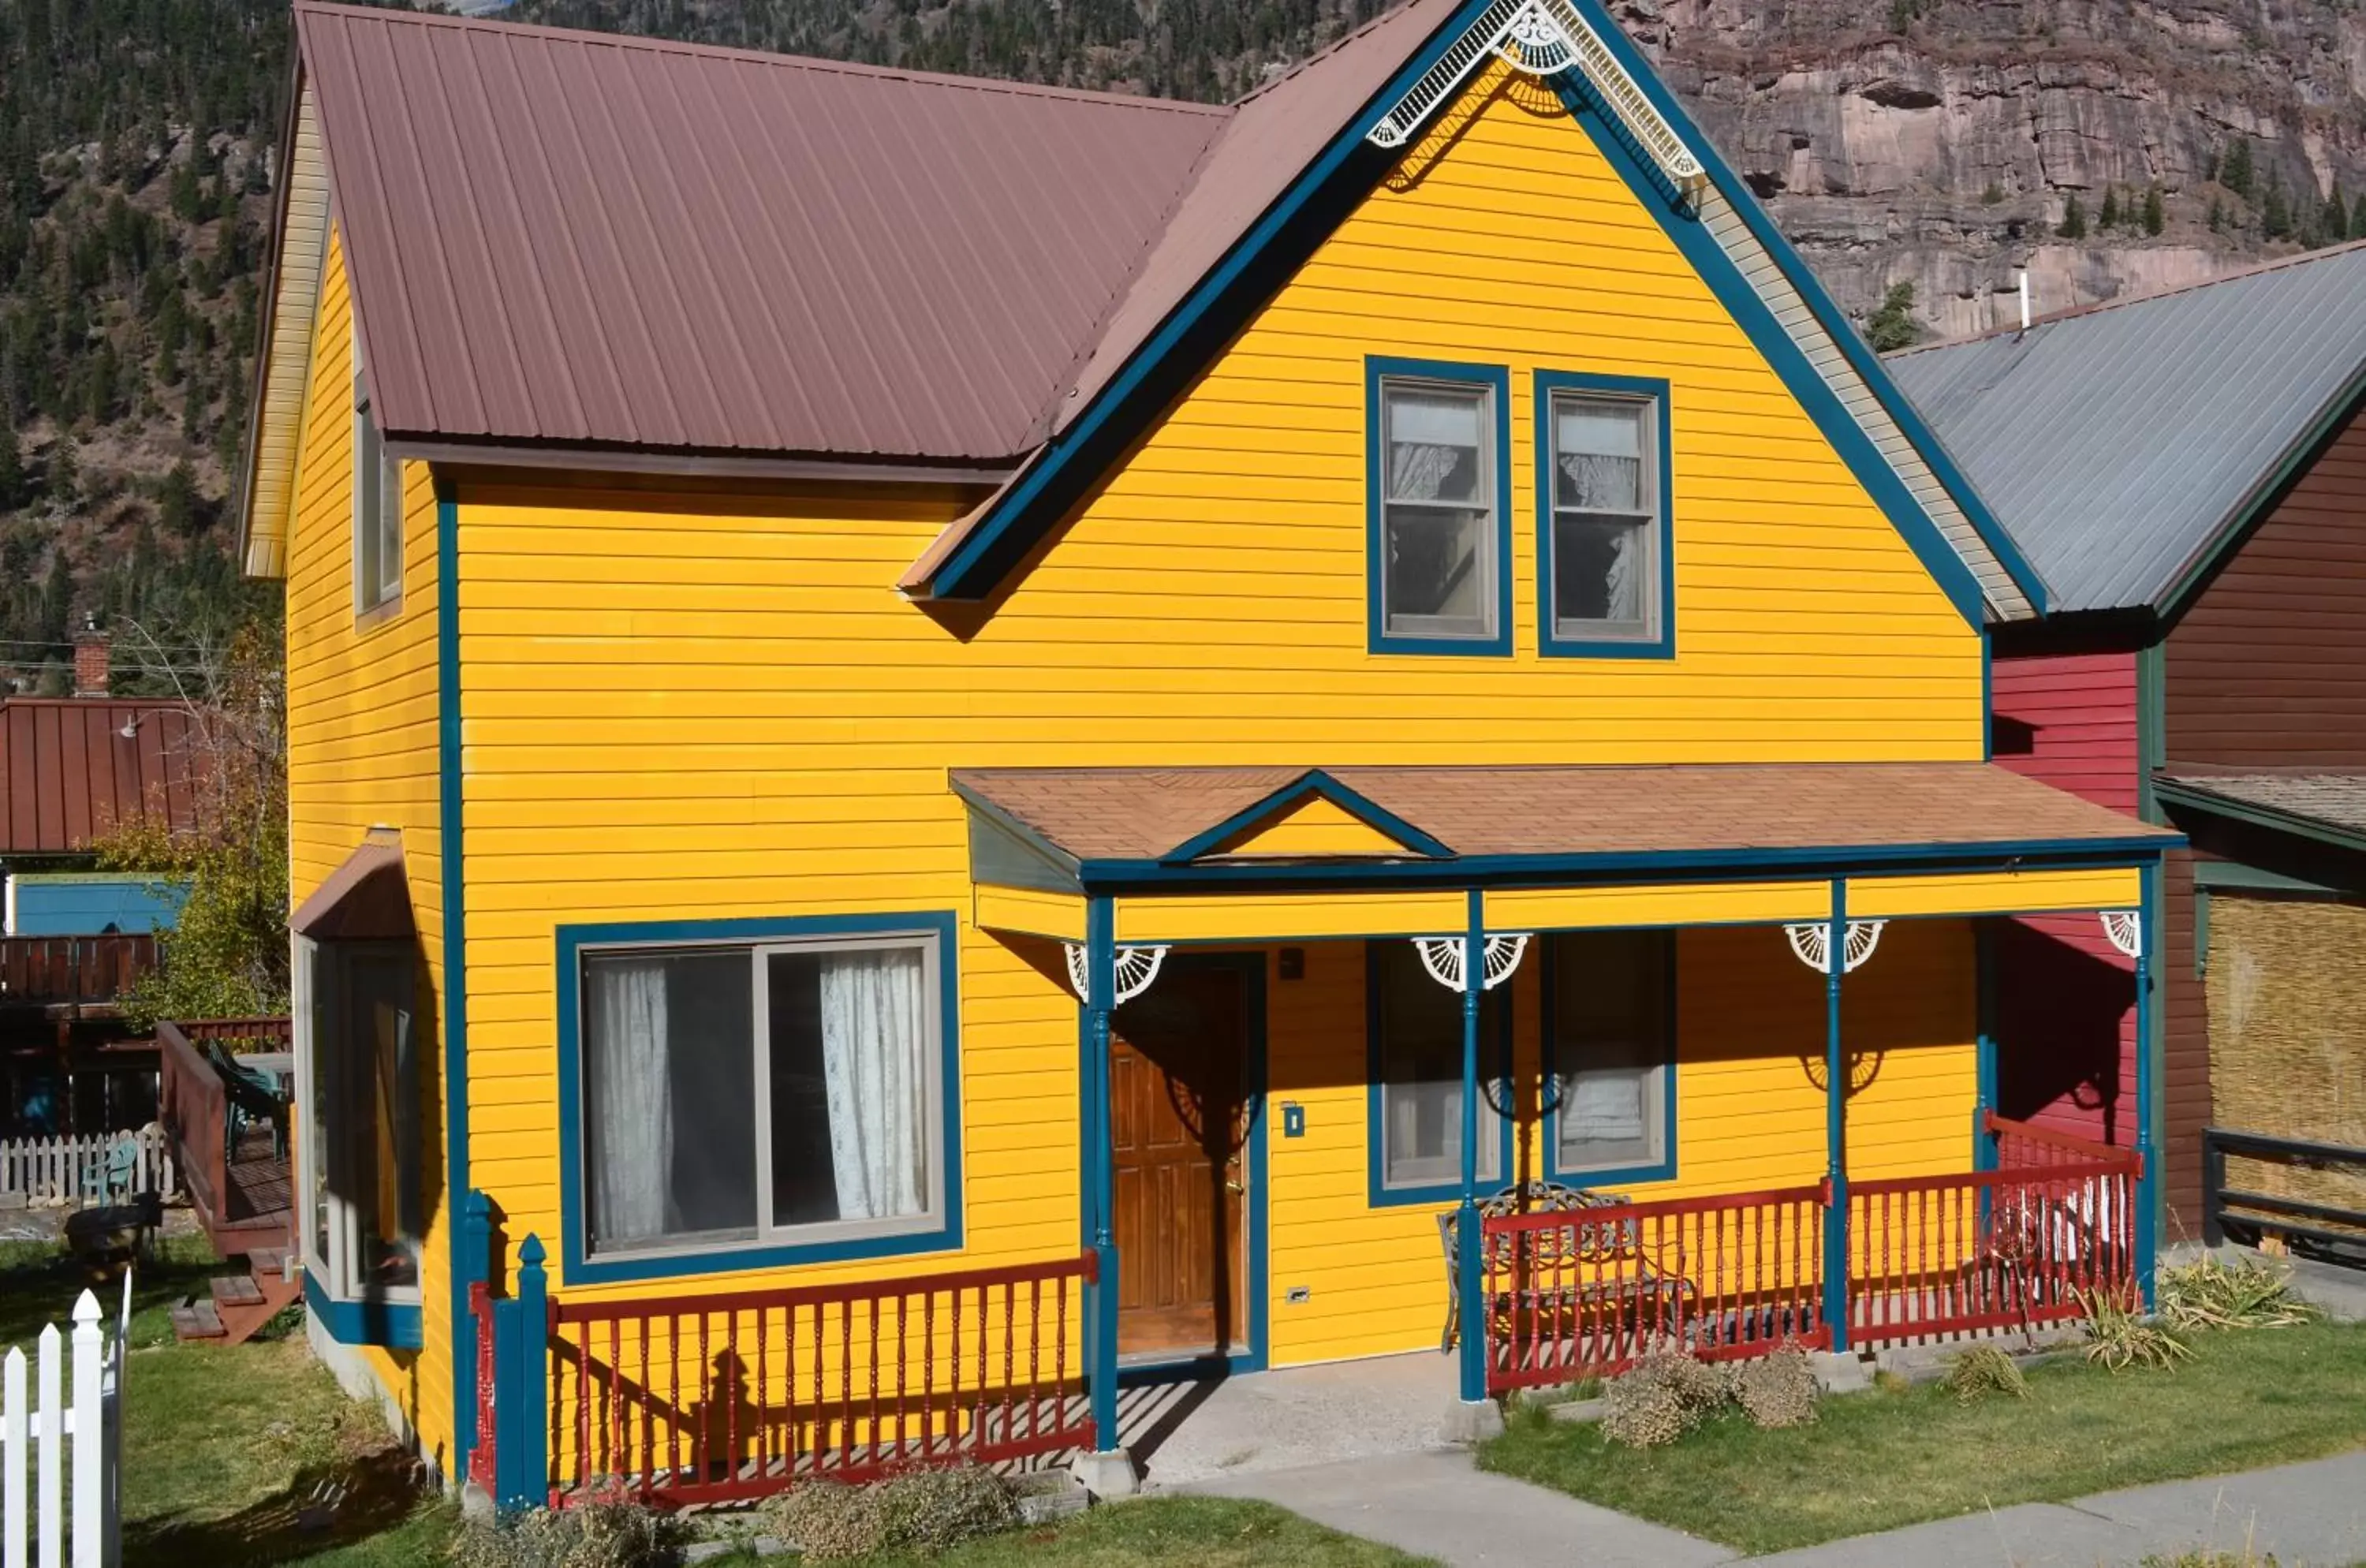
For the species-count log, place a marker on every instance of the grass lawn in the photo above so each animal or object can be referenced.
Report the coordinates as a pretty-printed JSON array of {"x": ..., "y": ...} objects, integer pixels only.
[
  {"x": 1897, "y": 1456},
  {"x": 1204, "y": 1532}
]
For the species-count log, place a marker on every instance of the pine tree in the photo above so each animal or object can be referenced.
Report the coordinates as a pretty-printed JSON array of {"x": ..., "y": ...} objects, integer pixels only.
[
  {"x": 2109, "y": 218},
  {"x": 2217, "y": 216},
  {"x": 2275, "y": 216},
  {"x": 12, "y": 469},
  {"x": 2073, "y": 219},
  {"x": 2155, "y": 219},
  {"x": 1893, "y": 326},
  {"x": 2333, "y": 224},
  {"x": 2234, "y": 174},
  {"x": 2358, "y": 219},
  {"x": 177, "y": 501},
  {"x": 62, "y": 483}
]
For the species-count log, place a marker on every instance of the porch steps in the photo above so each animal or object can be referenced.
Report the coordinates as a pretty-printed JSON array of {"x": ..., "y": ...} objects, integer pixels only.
[{"x": 236, "y": 1305}]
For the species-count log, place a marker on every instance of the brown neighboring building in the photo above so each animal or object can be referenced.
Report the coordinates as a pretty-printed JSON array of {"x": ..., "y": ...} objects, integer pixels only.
[{"x": 2188, "y": 471}]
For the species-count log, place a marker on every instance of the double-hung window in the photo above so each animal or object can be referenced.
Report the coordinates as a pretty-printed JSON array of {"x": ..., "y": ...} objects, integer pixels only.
[
  {"x": 357, "y": 1093},
  {"x": 1610, "y": 1045},
  {"x": 752, "y": 1094},
  {"x": 1601, "y": 464},
  {"x": 377, "y": 508},
  {"x": 1438, "y": 539},
  {"x": 1417, "y": 1077}
]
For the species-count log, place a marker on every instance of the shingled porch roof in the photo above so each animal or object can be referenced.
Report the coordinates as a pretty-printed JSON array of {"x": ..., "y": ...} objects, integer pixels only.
[{"x": 1117, "y": 817}]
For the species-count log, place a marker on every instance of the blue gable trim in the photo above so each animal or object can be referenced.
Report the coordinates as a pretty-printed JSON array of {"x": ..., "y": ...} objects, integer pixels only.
[
  {"x": 1018, "y": 517},
  {"x": 1497, "y": 380},
  {"x": 1314, "y": 782}
]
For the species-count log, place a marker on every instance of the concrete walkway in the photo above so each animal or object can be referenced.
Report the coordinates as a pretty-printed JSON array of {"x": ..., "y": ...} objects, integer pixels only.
[{"x": 1436, "y": 1504}]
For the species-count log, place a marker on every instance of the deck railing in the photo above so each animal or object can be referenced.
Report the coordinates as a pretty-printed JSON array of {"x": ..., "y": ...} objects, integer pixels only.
[
  {"x": 82, "y": 971},
  {"x": 195, "y": 1104},
  {"x": 1586, "y": 1292},
  {"x": 689, "y": 1400},
  {"x": 2321, "y": 1206}
]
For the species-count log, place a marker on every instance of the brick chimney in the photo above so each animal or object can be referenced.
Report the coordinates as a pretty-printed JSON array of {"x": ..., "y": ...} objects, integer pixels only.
[{"x": 90, "y": 646}]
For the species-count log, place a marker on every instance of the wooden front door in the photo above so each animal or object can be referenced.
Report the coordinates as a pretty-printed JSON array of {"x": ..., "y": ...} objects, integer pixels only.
[{"x": 1178, "y": 1123}]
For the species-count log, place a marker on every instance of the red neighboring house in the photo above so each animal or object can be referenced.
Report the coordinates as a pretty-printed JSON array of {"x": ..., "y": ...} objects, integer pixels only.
[{"x": 2188, "y": 471}]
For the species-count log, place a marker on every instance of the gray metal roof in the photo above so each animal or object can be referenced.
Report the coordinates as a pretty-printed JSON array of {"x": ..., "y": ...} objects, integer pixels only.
[{"x": 2114, "y": 443}]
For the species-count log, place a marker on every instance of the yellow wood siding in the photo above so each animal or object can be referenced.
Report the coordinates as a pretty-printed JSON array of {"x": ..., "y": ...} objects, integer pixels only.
[
  {"x": 685, "y": 708},
  {"x": 2011, "y": 893},
  {"x": 1312, "y": 827},
  {"x": 362, "y": 753}
]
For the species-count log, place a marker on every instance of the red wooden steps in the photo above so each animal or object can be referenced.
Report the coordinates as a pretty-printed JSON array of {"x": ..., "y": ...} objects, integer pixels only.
[{"x": 239, "y": 1304}]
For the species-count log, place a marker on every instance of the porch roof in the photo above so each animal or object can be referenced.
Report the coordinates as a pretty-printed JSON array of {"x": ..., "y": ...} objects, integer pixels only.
[{"x": 1121, "y": 821}]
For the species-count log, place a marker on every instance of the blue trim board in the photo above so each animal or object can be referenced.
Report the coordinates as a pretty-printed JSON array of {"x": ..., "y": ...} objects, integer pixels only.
[
  {"x": 1314, "y": 782},
  {"x": 1069, "y": 462},
  {"x": 1117, "y": 876},
  {"x": 451, "y": 863},
  {"x": 570, "y": 940},
  {"x": 1655, "y": 391},
  {"x": 394, "y": 1326},
  {"x": 1377, "y": 1192},
  {"x": 1661, "y": 1169},
  {"x": 1497, "y": 380}
]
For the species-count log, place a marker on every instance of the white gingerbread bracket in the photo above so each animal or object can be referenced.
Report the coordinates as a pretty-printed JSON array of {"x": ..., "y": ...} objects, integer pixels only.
[
  {"x": 1543, "y": 37},
  {"x": 1442, "y": 956},
  {"x": 1136, "y": 967},
  {"x": 2124, "y": 927},
  {"x": 1812, "y": 944}
]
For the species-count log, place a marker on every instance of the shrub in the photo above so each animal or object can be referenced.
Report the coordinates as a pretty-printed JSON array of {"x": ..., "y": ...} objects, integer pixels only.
[
  {"x": 2118, "y": 1338},
  {"x": 1982, "y": 1371},
  {"x": 2209, "y": 1293},
  {"x": 1777, "y": 1390},
  {"x": 1662, "y": 1398},
  {"x": 924, "y": 1510},
  {"x": 600, "y": 1534}
]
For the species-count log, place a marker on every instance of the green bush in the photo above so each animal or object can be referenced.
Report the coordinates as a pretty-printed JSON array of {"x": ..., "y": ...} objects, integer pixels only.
[
  {"x": 1982, "y": 1371},
  {"x": 599, "y": 1534},
  {"x": 924, "y": 1510}
]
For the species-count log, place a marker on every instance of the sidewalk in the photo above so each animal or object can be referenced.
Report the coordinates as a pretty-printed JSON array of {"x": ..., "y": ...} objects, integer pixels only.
[{"x": 1436, "y": 1504}]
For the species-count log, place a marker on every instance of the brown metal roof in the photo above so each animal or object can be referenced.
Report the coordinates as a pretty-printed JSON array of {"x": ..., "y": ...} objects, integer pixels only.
[
  {"x": 70, "y": 775},
  {"x": 1145, "y": 813},
  {"x": 576, "y": 237}
]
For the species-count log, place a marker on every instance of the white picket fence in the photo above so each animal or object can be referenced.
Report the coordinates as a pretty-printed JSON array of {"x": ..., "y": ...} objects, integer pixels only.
[
  {"x": 36, "y": 1437},
  {"x": 75, "y": 1170}
]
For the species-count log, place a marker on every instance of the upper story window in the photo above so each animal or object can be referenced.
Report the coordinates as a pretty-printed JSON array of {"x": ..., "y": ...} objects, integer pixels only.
[
  {"x": 1609, "y": 1044},
  {"x": 378, "y": 510},
  {"x": 1607, "y": 584},
  {"x": 1417, "y": 1077},
  {"x": 1440, "y": 541},
  {"x": 736, "y": 1095}
]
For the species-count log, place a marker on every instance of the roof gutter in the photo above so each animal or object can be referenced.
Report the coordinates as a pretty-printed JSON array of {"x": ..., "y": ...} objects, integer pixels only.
[{"x": 545, "y": 459}]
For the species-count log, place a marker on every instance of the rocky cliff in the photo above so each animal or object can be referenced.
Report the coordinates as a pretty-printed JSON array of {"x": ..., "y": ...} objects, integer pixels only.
[{"x": 1942, "y": 142}]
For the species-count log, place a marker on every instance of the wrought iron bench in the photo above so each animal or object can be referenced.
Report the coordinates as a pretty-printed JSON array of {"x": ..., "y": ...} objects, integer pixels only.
[{"x": 1637, "y": 1280}]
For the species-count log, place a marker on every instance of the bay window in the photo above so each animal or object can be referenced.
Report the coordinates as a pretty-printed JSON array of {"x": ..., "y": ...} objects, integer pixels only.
[{"x": 358, "y": 1093}]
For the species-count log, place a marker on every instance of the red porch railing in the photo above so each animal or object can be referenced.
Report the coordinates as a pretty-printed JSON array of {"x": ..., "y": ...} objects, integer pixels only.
[
  {"x": 78, "y": 970},
  {"x": 1586, "y": 1292},
  {"x": 681, "y": 1401}
]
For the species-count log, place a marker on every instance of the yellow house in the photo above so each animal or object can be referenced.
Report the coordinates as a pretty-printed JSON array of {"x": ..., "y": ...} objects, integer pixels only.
[{"x": 949, "y": 741}]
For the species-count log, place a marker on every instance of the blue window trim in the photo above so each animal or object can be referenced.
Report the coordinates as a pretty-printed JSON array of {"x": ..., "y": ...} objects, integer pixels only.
[
  {"x": 1661, "y": 1169},
  {"x": 1200, "y": 327},
  {"x": 395, "y": 1325},
  {"x": 1315, "y": 783},
  {"x": 1662, "y": 645},
  {"x": 579, "y": 1266},
  {"x": 1379, "y": 1194},
  {"x": 1497, "y": 380}
]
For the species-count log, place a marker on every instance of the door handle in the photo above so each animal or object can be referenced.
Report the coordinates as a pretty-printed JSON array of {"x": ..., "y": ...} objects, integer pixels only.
[{"x": 1232, "y": 1186}]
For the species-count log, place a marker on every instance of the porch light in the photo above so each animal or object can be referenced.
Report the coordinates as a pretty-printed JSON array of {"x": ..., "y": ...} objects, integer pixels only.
[
  {"x": 1811, "y": 944},
  {"x": 1442, "y": 956},
  {"x": 1136, "y": 967}
]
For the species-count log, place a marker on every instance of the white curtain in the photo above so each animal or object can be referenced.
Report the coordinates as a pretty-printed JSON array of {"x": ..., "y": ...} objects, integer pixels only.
[
  {"x": 1418, "y": 470},
  {"x": 874, "y": 1044},
  {"x": 631, "y": 1100},
  {"x": 1610, "y": 483},
  {"x": 1603, "y": 1107}
]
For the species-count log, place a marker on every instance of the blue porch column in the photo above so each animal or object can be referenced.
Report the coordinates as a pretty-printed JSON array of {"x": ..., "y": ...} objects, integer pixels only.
[
  {"x": 1984, "y": 1149},
  {"x": 1466, "y": 1240},
  {"x": 1836, "y": 1218},
  {"x": 2148, "y": 1181},
  {"x": 1100, "y": 1190}
]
